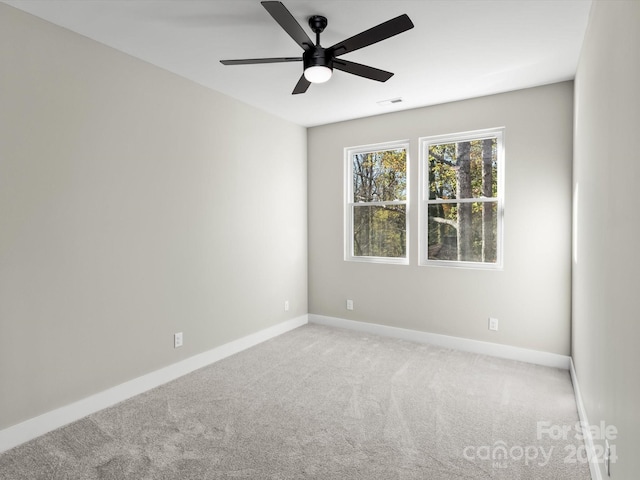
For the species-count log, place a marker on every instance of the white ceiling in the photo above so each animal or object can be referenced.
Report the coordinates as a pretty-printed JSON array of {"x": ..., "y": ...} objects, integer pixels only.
[{"x": 458, "y": 49}]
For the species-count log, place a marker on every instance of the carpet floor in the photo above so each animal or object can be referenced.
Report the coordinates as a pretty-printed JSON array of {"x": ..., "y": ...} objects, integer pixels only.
[{"x": 326, "y": 403}]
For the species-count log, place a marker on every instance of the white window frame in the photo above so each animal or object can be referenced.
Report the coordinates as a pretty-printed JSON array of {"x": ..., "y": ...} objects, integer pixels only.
[
  {"x": 349, "y": 203},
  {"x": 424, "y": 143}
]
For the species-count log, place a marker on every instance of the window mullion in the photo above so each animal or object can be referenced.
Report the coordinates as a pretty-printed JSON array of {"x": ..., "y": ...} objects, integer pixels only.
[
  {"x": 396, "y": 202},
  {"x": 440, "y": 201}
]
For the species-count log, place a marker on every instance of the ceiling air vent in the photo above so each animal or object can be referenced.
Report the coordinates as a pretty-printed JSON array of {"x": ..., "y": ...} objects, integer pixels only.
[{"x": 391, "y": 101}]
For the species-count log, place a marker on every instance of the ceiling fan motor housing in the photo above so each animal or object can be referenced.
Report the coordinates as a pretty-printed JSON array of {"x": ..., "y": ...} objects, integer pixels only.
[{"x": 317, "y": 57}]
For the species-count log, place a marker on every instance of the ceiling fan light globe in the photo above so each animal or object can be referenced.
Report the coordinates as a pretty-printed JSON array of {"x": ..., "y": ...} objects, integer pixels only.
[{"x": 318, "y": 74}]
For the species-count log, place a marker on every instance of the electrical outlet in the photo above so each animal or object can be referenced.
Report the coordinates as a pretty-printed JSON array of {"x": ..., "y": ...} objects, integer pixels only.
[
  {"x": 286, "y": 305},
  {"x": 349, "y": 304},
  {"x": 177, "y": 340},
  {"x": 493, "y": 324}
]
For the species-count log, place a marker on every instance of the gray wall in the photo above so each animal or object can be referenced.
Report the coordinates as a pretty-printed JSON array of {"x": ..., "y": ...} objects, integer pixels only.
[
  {"x": 606, "y": 300},
  {"x": 530, "y": 297},
  {"x": 134, "y": 204}
]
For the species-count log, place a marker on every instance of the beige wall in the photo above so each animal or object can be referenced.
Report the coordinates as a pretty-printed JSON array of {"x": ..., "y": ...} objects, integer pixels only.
[
  {"x": 530, "y": 297},
  {"x": 133, "y": 204},
  {"x": 606, "y": 299}
]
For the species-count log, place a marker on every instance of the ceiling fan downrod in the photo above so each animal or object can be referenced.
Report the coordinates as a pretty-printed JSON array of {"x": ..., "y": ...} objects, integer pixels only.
[
  {"x": 318, "y": 63},
  {"x": 317, "y": 23}
]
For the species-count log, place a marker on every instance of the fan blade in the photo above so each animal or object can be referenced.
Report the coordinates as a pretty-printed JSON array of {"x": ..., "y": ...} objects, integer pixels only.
[
  {"x": 301, "y": 86},
  {"x": 251, "y": 61},
  {"x": 284, "y": 18},
  {"x": 373, "y": 35},
  {"x": 362, "y": 70}
]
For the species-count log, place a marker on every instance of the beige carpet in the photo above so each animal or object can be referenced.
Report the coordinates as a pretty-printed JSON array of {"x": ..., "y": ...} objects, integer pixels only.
[{"x": 324, "y": 403}]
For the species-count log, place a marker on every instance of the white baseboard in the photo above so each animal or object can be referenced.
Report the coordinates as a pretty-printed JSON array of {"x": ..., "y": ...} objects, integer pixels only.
[
  {"x": 32, "y": 428},
  {"x": 476, "y": 346},
  {"x": 594, "y": 467}
]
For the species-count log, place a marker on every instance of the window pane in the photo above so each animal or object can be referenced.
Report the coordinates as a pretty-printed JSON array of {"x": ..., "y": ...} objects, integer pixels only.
[
  {"x": 463, "y": 169},
  {"x": 379, "y": 231},
  {"x": 465, "y": 232},
  {"x": 380, "y": 176}
]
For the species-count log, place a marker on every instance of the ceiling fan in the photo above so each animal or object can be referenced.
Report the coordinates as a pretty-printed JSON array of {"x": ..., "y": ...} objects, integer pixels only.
[{"x": 319, "y": 62}]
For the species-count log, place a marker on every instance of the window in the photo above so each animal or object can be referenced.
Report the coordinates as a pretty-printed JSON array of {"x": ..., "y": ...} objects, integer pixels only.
[
  {"x": 461, "y": 206},
  {"x": 376, "y": 203}
]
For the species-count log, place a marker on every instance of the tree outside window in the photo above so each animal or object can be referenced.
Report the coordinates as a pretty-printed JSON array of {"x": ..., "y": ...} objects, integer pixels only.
[
  {"x": 376, "y": 206},
  {"x": 461, "y": 208}
]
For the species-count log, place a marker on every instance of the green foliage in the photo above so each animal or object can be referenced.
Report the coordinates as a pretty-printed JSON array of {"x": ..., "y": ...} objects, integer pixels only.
[
  {"x": 444, "y": 165},
  {"x": 379, "y": 231},
  {"x": 380, "y": 176}
]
